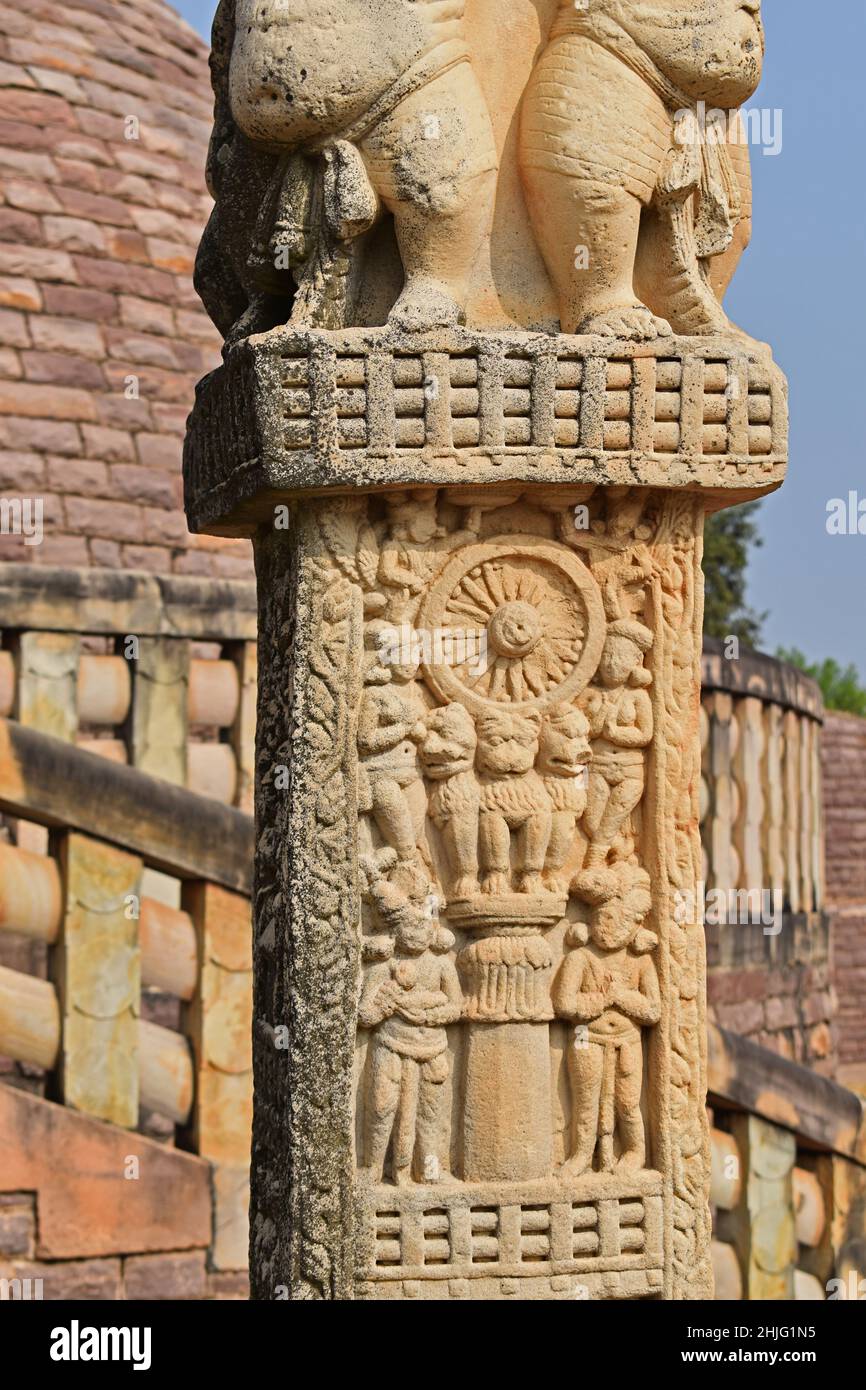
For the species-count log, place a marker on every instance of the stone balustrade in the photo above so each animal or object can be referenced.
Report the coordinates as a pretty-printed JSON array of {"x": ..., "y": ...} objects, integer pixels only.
[
  {"x": 761, "y": 814},
  {"x": 144, "y": 894},
  {"x": 788, "y": 1199},
  {"x": 156, "y": 673},
  {"x": 762, "y": 895}
]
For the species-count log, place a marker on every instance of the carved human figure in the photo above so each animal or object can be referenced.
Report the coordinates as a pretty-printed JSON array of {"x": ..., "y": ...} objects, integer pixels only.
[
  {"x": 630, "y": 198},
  {"x": 563, "y": 757},
  {"x": 413, "y": 550},
  {"x": 408, "y": 999},
  {"x": 619, "y": 557},
  {"x": 621, "y": 727},
  {"x": 325, "y": 113},
  {"x": 390, "y": 727},
  {"x": 447, "y": 758},
  {"x": 609, "y": 989},
  {"x": 513, "y": 798}
]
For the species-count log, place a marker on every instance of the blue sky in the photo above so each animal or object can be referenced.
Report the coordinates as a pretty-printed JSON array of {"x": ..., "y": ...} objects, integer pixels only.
[{"x": 801, "y": 288}]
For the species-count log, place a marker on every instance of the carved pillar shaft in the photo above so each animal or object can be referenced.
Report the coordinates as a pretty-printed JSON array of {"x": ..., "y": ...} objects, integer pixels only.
[{"x": 479, "y": 1011}]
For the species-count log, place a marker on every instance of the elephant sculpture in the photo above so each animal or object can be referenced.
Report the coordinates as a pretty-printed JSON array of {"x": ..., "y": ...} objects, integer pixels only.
[
  {"x": 641, "y": 207},
  {"x": 326, "y": 114}
]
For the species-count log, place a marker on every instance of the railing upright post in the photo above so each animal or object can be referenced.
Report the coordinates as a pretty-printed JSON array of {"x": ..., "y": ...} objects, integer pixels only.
[
  {"x": 158, "y": 721},
  {"x": 218, "y": 1022},
  {"x": 95, "y": 965},
  {"x": 46, "y": 695},
  {"x": 242, "y": 734}
]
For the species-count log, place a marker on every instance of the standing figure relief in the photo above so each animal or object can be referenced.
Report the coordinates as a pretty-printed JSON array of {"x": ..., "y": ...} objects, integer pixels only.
[
  {"x": 609, "y": 989},
  {"x": 621, "y": 726},
  {"x": 407, "y": 1000},
  {"x": 390, "y": 728}
]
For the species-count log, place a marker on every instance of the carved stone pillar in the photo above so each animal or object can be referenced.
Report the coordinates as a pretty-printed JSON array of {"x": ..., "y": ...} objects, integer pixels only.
[{"x": 479, "y": 1009}]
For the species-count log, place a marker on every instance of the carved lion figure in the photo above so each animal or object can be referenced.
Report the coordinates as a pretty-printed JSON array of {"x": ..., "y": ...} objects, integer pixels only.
[
  {"x": 640, "y": 204},
  {"x": 327, "y": 111},
  {"x": 513, "y": 798}
]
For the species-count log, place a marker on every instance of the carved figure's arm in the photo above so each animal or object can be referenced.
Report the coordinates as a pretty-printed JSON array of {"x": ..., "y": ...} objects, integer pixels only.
[
  {"x": 642, "y": 1005},
  {"x": 376, "y": 735},
  {"x": 376, "y": 998},
  {"x": 636, "y": 734},
  {"x": 569, "y": 997},
  {"x": 452, "y": 1008},
  {"x": 392, "y": 571}
]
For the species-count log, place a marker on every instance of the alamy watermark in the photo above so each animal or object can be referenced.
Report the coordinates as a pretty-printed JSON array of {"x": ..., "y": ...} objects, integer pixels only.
[
  {"x": 756, "y": 125},
  {"x": 731, "y": 907},
  {"x": 22, "y": 516},
  {"x": 405, "y": 645}
]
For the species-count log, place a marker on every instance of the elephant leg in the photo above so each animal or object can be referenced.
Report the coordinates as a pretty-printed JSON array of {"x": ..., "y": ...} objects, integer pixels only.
[
  {"x": 433, "y": 163},
  {"x": 588, "y": 235},
  {"x": 669, "y": 275}
]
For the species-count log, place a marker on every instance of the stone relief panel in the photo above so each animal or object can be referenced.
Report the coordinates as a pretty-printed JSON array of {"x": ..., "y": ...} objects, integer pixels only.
[{"x": 519, "y": 653}]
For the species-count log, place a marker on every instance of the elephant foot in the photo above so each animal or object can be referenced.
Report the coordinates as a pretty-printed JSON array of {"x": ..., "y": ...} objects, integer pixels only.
[
  {"x": 753, "y": 346},
  {"x": 632, "y": 321},
  {"x": 425, "y": 303}
]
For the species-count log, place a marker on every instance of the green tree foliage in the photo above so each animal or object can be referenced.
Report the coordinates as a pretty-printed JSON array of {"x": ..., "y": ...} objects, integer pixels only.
[
  {"x": 840, "y": 686},
  {"x": 729, "y": 537}
]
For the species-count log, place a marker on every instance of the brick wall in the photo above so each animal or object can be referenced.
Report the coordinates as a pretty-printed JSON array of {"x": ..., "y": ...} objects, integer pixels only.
[
  {"x": 776, "y": 990},
  {"x": 174, "y": 1274},
  {"x": 102, "y": 337},
  {"x": 844, "y": 775}
]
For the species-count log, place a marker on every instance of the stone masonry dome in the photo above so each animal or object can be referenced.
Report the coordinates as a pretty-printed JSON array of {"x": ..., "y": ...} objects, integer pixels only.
[{"x": 105, "y": 113}]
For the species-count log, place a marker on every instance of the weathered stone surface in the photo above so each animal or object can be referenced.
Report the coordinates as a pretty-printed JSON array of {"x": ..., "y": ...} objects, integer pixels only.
[
  {"x": 110, "y": 601},
  {"x": 97, "y": 969},
  {"x": 479, "y": 1049},
  {"x": 105, "y": 125},
  {"x": 174, "y": 829},
  {"x": 86, "y": 1205},
  {"x": 180, "y": 1276}
]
